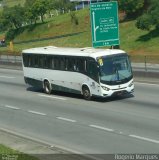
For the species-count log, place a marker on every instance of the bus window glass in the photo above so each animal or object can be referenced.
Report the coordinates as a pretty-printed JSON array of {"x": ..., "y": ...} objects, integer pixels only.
[
  {"x": 41, "y": 61},
  {"x": 25, "y": 60},
  {"x": 56, "y": 63},
  {"x": 52, "y": 63},
  {"x": 62, "y": 63},
  {"x": 92, "y": 69},
  {"x": 115, "y": 69},
  {"x": 70, "y": 64},
  {"x": 81, "y": 65},
  {"x": 36, "y": 61}
]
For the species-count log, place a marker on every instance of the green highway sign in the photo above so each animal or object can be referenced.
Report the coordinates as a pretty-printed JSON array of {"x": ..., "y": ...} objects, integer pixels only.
[{"x": 105, "y": 24}]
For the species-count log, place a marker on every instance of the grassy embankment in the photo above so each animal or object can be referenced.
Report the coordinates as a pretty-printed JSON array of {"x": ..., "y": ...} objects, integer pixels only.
[
  {"x": 11, "y": 3},
  {"x": 60, "y": 31},
  {"x": 7, "y": 153}
]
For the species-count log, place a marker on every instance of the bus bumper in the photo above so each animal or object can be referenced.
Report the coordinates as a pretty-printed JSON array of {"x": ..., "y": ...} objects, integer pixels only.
[{"x": 117, "y": 92}]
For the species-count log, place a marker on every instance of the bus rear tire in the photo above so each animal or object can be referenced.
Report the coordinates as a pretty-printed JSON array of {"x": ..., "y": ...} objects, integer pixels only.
[
  {"x": 47, "y": 87},
  {"x": 86, "y": 93}
]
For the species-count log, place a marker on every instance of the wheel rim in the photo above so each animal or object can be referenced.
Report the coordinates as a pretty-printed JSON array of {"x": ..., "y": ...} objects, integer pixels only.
[
  {"x": 47, "y": 87},
  {"x": 86, "y": 93}
]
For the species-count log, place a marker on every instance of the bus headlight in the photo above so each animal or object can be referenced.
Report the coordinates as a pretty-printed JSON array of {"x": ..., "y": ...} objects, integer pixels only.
[
  {"x": 105, "y": 88},
  {"x": 132, "y": 83}
]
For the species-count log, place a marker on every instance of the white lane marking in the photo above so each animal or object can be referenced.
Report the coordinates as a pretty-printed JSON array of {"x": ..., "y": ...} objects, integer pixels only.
[
  {"x": 145, "y": 139},
  {"x": 66, "y": 119},
  {"x": 102, "y": 128},
  {"x": 54, "y": 97},
  {"x": 7, "y": 77},
  {"x": 150, "y": 84},
  {"x": 11, "y": 107},
  {"x": 38, "y": 113}
]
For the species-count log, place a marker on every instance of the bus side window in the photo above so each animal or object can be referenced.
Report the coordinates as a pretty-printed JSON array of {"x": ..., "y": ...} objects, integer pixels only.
[
  {"x": 92, "y": 70},
  {"x": 32, "y": 61},
  {"x": 29, "y": 61},
  {"x": 56, "y": 63},
  {"x": 81, "y": 65},
  {"x": 40, "y": 61},
  {"x": 49, "y": 62},
  {"x": 44, "y": 61},
  {"x": 36, "y": 61},
  {"x": 70, "y": 65},
  {"x": 25, "y": 60},
  {"x": 62, "y": 64},
  {"x": 52, "y": 63}
]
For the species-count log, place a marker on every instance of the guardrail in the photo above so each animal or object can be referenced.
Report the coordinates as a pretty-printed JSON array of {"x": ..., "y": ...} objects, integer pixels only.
[{"x": 12, "y": 59}]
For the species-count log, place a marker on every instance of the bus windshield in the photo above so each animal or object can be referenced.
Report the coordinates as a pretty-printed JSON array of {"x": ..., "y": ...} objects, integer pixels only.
[{"x": 115, "y": 69}]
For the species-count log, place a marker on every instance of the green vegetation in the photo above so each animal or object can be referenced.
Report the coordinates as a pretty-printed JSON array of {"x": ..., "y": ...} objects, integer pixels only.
[
  {"x": 131, "y": 8},
  {"x": 16, "y": 16},
  {"x": 149, "y": 19},
  {"x": 11, "y": 3},
  {"x": 59, "y": 30},
  {"x": 7, "y": 153},
  {"x": 73, "y": 30}
]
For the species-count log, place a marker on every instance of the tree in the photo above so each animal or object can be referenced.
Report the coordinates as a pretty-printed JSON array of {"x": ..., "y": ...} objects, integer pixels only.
[
  {"x": 36, "y": 8},
  {"x": 150, "y": 18},
  {"x": 14, "y": 16},
  {"x": 144, "y": 22},
  {"x": 29, "y": 3},
  {"x": 65, "y": 5},
  {"x": 11, "y": 20},
  {"x": 131, "y": 7},
  {"x": 3, "y": 22},
  {"x": 31, "y": 16},
  {"x": 40, "y": 7},
  {"x": 52, "y": 4}
]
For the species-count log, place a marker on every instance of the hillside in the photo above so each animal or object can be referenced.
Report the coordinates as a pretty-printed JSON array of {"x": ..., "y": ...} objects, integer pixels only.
[
  {"x": 11, "y": 3},
  {"x": 60, "y": 31}
]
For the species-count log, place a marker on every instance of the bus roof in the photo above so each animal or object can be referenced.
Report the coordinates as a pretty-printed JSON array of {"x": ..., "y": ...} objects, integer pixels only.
[{"x": 84, "y": 52}]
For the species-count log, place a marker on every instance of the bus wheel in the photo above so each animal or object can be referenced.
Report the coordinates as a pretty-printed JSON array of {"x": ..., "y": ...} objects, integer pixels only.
[
  {"x": 86, "y": 93},
  {"x": 47, "y": 87}
]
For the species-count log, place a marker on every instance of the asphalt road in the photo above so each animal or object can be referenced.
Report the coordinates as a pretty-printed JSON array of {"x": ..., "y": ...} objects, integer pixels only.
[{"x": 114, "y": 125}]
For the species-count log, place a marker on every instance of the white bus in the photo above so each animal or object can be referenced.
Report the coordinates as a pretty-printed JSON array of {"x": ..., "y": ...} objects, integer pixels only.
[{"x": 87, "y": 71}]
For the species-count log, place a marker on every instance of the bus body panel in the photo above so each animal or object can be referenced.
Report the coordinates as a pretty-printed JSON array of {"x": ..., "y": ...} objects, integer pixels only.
[{"x": 61, "y": 80}]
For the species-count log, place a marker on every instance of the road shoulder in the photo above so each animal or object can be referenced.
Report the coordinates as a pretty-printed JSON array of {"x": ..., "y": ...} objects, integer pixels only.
[{"x": 37, "y": 149}]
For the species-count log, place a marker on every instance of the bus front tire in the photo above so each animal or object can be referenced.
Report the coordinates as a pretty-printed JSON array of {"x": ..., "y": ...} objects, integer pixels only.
[
  {"x": 47, "y": 87},
  {"x": 86, "y": 93}
]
